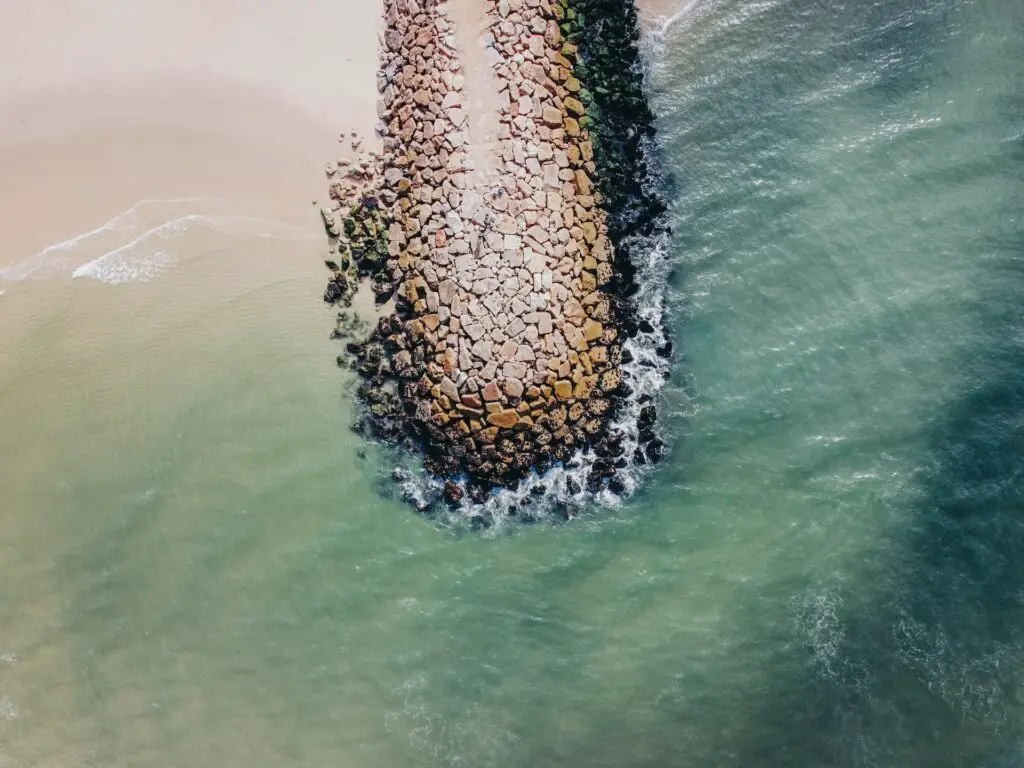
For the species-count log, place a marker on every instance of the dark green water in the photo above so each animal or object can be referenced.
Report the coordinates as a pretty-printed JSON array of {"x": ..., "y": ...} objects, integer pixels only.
[
  {"x": 850, "y": 284},
  {"x": 198, "y": 569}
]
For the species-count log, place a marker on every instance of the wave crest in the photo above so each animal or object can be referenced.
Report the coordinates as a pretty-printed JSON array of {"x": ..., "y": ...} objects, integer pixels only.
[{"x": 140, "y": 243}]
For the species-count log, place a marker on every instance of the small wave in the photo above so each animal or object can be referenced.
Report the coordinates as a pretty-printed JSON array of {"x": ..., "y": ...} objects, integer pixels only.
[
  {"x": 971, "y": 679},
  {"x": 8, "y": 709},
  {"x": 147, "y": 255},
  {"x": 52, "y": 260},
  {"x": 817, "y": 623},
  {"x": 127, "y": 247},
  {"x": 655, "y": 27},
  {"x": 138, "y": 261}
]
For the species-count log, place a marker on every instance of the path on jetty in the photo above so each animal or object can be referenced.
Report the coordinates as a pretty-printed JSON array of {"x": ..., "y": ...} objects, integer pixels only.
[{"x": 480, "y": 89}]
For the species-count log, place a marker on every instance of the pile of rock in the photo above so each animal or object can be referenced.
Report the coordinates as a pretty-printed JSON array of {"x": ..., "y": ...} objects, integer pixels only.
[{"x": 504, "y": 344}]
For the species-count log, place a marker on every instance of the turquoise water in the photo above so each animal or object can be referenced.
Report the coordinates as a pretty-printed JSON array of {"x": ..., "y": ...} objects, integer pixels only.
[{"x": 199, "y": 567}]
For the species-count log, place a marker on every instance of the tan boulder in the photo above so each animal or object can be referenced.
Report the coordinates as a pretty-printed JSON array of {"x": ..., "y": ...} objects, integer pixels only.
[
  {"x": 583, "y": 183},
  {"x": 551, "y": 115},
  {"x": 585, "y": 387},
  {"x": 505, "y": 419},
  {"x": 491, "y": 391}
]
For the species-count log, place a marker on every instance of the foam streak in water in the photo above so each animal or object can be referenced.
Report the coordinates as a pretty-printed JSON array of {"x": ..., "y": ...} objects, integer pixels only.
[
  {"x": 150, "y": 254},
  {"x": 138, "y": 243}
]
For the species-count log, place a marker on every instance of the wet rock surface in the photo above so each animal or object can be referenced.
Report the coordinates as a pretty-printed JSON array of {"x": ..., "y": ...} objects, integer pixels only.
[{"x": 503, "y": 353}]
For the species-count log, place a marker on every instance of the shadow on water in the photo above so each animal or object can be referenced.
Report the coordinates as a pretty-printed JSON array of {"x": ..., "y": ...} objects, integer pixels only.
[
  {"x": 929, "y": 670},
  {"x": 933, "y": 672}
]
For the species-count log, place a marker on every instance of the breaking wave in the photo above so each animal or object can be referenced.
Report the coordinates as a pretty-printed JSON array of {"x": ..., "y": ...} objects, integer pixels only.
[
  {"x": 142, "y": 242},
  {"x": 562, "y": 492}
]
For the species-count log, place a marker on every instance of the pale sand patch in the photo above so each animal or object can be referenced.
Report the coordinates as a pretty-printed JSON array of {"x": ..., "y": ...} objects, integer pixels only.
[
  {"x": 480, "y": 89},
  {"x": 106, "y": 104}
]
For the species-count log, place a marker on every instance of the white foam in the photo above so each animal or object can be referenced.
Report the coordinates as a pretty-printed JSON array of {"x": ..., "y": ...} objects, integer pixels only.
[
  {"x": 8, "y": 709},
  {"x": 552, "y": 495},
  {"x": 136, "y": 244},
  {"x": 817, "y": 621},
  {"x": 127, "y": 265},
  {"x": 152, "y": 253},
  {"x": 52, "y": 260},
  {"x": 140, "y": 260},
  {"x": 656, "y": 27}
]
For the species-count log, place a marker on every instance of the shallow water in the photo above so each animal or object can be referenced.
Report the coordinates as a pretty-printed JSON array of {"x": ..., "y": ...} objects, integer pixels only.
[{"x": 201, "y": 564}]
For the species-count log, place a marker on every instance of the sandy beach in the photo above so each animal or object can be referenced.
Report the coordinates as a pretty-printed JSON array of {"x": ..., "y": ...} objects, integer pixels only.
[{"x": 104, "y": 105}]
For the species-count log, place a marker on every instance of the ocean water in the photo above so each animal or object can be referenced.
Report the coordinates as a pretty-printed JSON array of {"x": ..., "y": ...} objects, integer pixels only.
[{"x": 201, "y": 564}]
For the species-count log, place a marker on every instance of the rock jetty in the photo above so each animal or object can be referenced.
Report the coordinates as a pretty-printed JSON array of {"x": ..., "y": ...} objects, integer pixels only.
[{"x": 503, "y": 352}]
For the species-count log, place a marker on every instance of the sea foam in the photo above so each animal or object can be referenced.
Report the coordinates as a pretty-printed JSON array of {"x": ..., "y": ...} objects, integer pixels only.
[
  {"x": 142, "y": 242},
  {"x": 561, "y": 492}
]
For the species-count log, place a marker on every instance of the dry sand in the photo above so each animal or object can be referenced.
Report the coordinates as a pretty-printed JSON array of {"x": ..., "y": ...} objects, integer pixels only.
[{"x": 107, "y": 103}]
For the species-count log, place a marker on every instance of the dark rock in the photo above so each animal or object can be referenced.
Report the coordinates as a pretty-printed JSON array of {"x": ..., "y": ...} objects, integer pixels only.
[
  {"x": 382, "y": 288},
  {"x": 337, "y": 290},
  {"x": 655, "y": 449},
  {"x": 453, "y": 492},
  {"x": 648, "y": 414}
]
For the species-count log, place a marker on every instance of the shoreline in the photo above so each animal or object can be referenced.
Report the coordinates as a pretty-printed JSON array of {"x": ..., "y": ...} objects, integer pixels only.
[
  {"x": 145, "y": 108},
  {"x": 504, "y": 354}
]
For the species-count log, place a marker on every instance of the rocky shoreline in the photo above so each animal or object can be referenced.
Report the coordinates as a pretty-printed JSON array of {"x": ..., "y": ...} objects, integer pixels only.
[{"x": 511, "y": 282}]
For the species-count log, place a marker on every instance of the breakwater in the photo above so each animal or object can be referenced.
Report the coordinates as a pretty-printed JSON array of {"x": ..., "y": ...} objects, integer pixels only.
[{"x": 505, "y": 242}]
